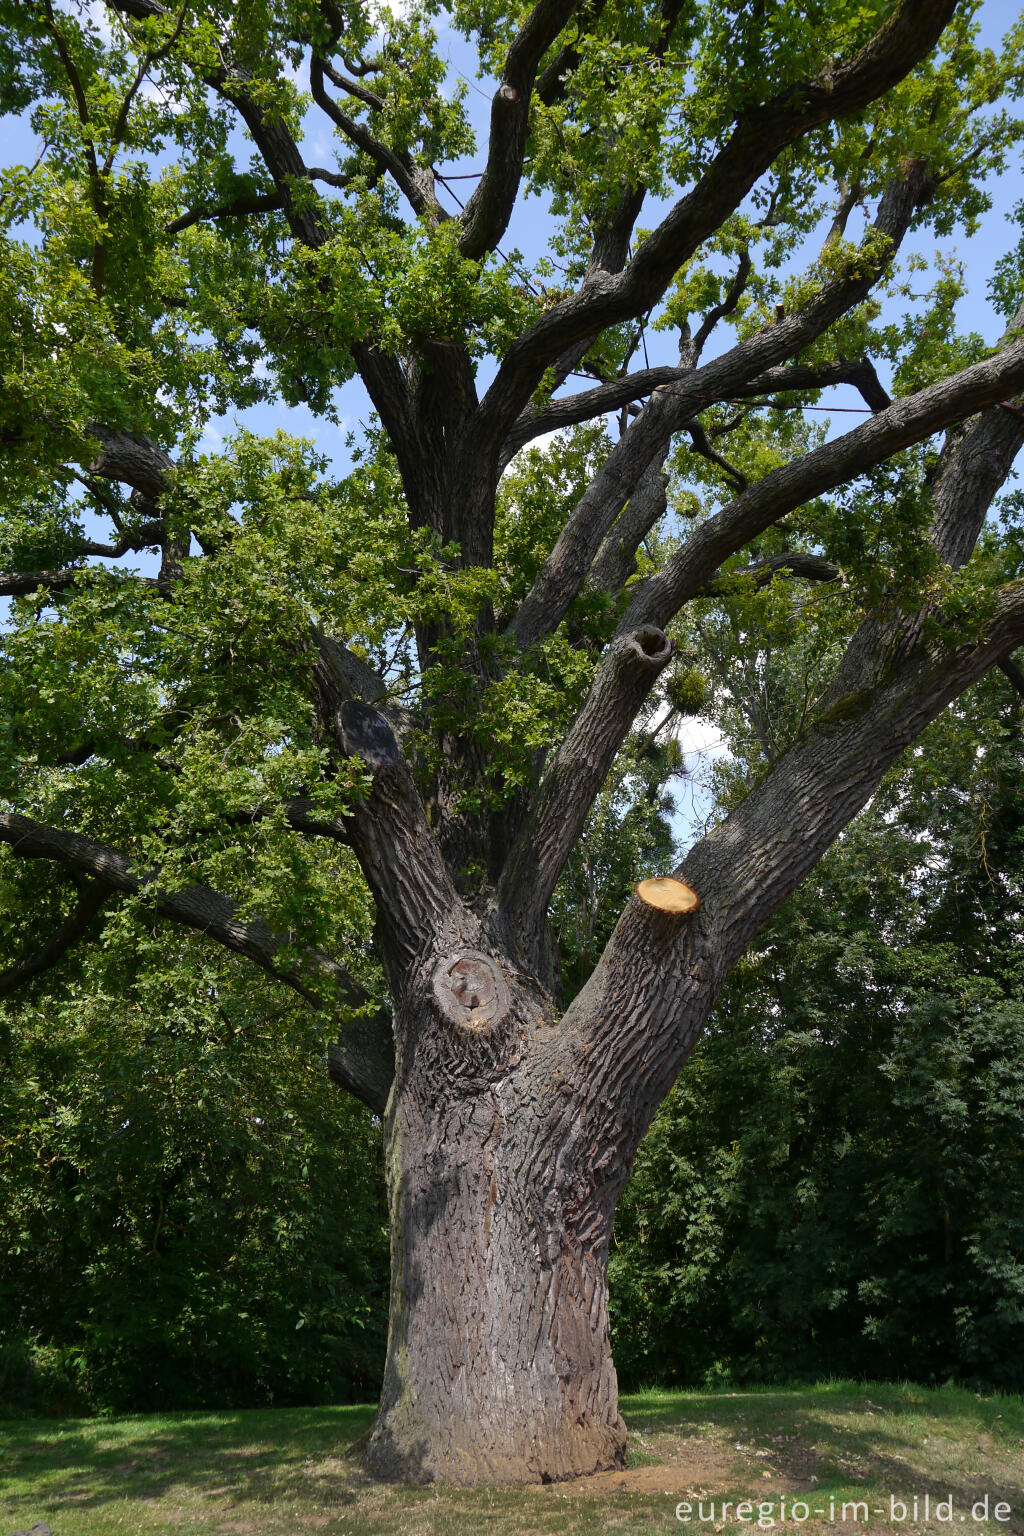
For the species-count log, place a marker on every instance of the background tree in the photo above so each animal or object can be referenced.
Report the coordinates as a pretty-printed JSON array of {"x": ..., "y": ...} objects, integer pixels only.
[
  {"x": 190, "y": 1216},
  {"x": 835, "y": 1184},
  {"x": 407, "y": 685}
]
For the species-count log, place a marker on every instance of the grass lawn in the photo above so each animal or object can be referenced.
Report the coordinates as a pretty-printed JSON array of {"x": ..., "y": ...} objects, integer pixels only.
[{"x": 283, "y": 1472}]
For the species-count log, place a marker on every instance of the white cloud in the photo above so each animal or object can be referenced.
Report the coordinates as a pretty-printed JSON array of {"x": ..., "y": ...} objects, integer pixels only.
[
  {"x": 96, "y": 13},
  {"x": 150, "y": 90},
  {"x": 694, "y": 792},
  {"x": 701, "y": 738}
]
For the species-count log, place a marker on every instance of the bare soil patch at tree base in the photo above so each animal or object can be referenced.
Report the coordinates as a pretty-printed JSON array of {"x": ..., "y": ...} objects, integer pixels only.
[
  {"x": 680, "y": 1466},
  {"x": 778, "y": 1460}
]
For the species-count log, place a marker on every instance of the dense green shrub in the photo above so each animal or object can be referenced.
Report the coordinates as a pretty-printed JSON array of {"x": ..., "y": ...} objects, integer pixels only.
[
  {"x": 191, "y": 1215},
  {"x": 847, "y": 1202},
  {"x": 836, "y": 1184}
]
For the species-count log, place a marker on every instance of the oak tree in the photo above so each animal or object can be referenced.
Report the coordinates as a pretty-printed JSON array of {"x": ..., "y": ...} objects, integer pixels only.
[{"x": 385, "y": 693}]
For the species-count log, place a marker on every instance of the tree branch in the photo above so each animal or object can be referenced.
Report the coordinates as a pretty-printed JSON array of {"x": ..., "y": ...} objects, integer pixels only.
[
  {"x": 488, "y": 211},
  {"x": 353, "y": 87},
  {"x": 970, "y": 469},
  {"x": 92, "y": 898},
  {"x": 145, "y": 65},
  {"x": 587, "y": 404},
  {"x": 413, "y": 181},
  {"x": 663, "y": 974},
  {"x": 903, "y": 423},
  {"x": 382, "y": 374},
  {"x": 616, "y": 559},
  {"x": 982, "y": 460},
  {"x": 96, "y": 176},
  {"x": 551, "y": 83},
  {"x": 798, "y": 563},
  {"x": 362, "y": 1059},
  {"x": 611, "y": 396},
  {"x": 1014, "y": 671},
  {"x": 196, "y": 906},
  {"x": 238, "y": 208},
  {"x": 728, "y": 305},
  {"x": 849, "y": 196},
  {"x": 133, "y": 459},
  {"x": 703, "y": 446},
  {"x": 397, "y": 852},
  {"x": 674, "y": 405},
  {"x": 209, "y": 913},
  {"x": 144, "y": 537},
  {"x": 613, "y": 230},
  {"x": 760, "y": 134},
  {"x": 22, "y": 583},
  {"x": 814, "y": 376},
  {"x": 573, "y": 777},
  {"x": 353, "y": 678}
]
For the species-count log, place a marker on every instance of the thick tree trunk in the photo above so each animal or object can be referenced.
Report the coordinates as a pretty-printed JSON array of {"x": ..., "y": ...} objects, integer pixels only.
[{"x": 499, "y": 1367}]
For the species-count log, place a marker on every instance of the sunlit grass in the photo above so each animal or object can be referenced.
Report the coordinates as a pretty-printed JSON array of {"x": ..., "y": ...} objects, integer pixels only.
[{"x": 279, "y": 1472}]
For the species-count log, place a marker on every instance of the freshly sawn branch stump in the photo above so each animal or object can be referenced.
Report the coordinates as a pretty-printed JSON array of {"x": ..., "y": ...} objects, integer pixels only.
[{"x": 668, "y": 895}]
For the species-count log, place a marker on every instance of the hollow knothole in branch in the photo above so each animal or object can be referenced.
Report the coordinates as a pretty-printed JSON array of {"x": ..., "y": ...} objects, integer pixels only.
[{"x": 652, "y": 644}]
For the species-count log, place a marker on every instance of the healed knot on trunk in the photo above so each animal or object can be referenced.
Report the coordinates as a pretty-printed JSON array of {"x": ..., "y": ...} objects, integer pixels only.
[
  {"x": 471, "y": 992},
  {"x": 366, "y": 734}
]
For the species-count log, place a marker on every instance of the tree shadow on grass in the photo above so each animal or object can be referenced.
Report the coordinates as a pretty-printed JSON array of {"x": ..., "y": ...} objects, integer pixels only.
[
  {"x": 1000, "y": 1414},
  {"x": 244, "y": 1456},
  {"x": 879, "y": 1437},
  {"x": 886, "y": 1440}
]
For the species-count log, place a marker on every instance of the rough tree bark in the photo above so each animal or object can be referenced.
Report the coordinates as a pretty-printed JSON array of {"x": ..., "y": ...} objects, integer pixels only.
[{"x": 499, "y": 1366}]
